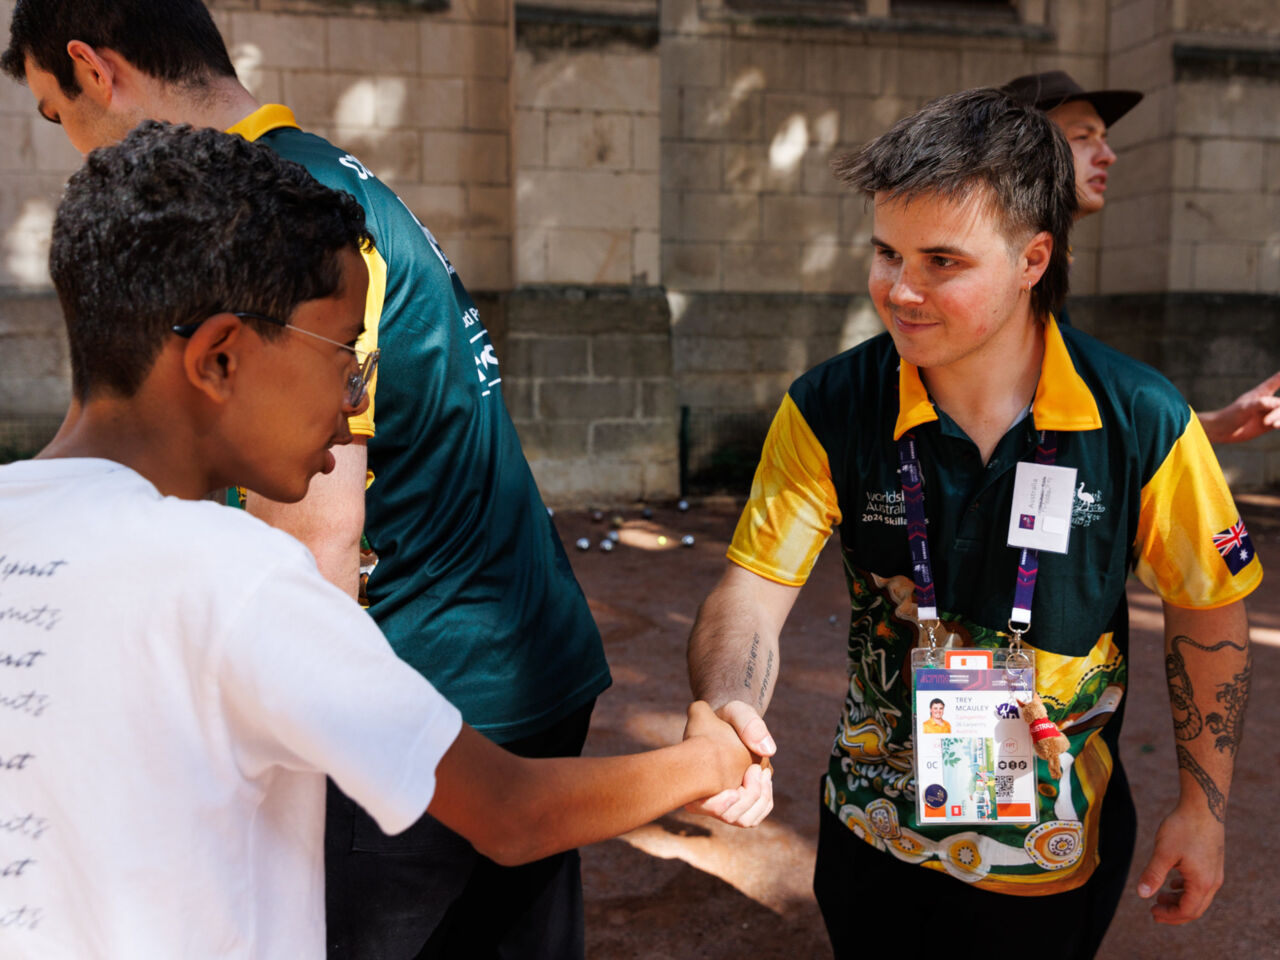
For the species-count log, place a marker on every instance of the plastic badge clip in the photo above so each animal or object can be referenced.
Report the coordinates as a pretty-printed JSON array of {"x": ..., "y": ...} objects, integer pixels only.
[{"x": 1017, "y": 662}]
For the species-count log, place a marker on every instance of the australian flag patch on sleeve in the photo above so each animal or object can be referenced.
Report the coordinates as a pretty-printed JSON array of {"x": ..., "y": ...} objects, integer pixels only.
[{"x": 1235, "y": 546}]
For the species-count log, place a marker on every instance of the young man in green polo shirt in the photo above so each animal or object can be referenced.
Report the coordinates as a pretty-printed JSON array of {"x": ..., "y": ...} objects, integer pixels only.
[
  {"x": 973, "y": 198},
  {"x": 472, "y": 586}
]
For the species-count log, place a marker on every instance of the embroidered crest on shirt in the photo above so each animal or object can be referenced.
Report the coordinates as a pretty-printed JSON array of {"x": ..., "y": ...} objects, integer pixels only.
[
  {"x": 1235, "y": 546},
  {"x": 1087, "y": 508}
]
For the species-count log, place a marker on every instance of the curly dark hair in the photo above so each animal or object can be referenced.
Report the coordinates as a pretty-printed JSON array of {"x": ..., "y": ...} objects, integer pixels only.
[
  {"x": 173, "y": 40},
  {"x": 176, "y": 224},
  {"x": 979, "y": 139}
]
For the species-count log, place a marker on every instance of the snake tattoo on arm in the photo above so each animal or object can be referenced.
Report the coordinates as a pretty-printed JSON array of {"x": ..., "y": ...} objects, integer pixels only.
[{"x": 1189, "y": 723}]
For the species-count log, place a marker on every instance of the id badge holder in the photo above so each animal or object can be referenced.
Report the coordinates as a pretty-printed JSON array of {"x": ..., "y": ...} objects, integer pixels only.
[{"x": 974, "y": 759}]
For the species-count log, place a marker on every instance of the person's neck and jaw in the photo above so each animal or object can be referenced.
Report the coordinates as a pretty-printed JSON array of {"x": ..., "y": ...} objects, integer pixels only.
[
  {"x": 172, "y": 430},
  {"x": 987, "y": 392},
  {"x": 115, "y": 96}
]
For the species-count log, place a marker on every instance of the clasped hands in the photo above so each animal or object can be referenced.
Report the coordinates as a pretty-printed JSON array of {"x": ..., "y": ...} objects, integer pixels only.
[{"x": 748, "y": 804}]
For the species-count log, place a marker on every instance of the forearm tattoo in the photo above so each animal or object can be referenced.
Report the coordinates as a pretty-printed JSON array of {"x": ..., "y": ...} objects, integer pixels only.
[
  {"x": 1229, "y": 725},
  {"x": 764, "y": 684},
  {"x": 749, "y": 672},
  {"x": 1188, "y": 723},
  {"x": 1187, "y": 720},
  {"x": 753, "y": 658},
  {"x": 1217, "y": 803}
]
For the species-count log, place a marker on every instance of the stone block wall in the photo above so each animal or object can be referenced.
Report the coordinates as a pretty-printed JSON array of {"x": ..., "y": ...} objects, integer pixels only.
[
  {"x": 765, "y": 256},
  {"x": 586, "y": 142},
  {"x": 1196, "y": 193},
  {"x": 752, "y": 115},
  {"x": 611, "y": 163},
  {"x": 587, "y": 378},
  {"x": 35, "y": 161},
  {"x": 1190, "y": 272},
  {"x": 422, "y": 98},
  {"x": 1213, "y": 346}
]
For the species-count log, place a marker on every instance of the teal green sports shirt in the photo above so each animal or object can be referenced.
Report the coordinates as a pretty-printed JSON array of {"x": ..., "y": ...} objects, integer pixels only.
[{"x": 471, "y": 585}]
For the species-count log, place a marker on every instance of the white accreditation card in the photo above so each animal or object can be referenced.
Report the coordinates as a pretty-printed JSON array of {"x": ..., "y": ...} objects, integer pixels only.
[
  {"x": 974, "y": 759},
  {"x": 1040, "y": 518}
]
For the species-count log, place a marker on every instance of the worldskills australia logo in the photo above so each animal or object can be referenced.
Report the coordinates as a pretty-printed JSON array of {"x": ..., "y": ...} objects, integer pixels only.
[
  {"x": 1087, "y": 508},
  {"x": 885, "y": 506}
]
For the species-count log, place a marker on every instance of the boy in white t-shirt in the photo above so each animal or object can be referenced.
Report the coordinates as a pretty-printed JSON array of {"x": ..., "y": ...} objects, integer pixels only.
[{"x": 167, "y": 727}]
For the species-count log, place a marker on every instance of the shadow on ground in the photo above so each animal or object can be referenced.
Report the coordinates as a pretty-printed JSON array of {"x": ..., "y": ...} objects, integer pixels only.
[{"x": 686, "y": 887}]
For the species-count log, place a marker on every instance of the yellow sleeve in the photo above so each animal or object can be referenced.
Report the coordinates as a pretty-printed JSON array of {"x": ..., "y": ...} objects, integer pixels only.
[
  {"x": 793, "y": 506},
  {"x": 362, "y": 425},
  {"x": 1184, "y": 505}
]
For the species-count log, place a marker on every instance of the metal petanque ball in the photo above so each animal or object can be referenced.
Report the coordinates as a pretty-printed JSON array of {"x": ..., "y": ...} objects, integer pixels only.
[
  {"x": 647, "y": 513},
  {"x": 583, "y": 543},
  {"x": 613, "y": 536},
  {"x": 832, "y": 620},
  {"x": 682, "y": 505},
  {"x": 687, "y": 540},
  {"x": 606, "y": 545},
  {"x": 597, "y": 515}
]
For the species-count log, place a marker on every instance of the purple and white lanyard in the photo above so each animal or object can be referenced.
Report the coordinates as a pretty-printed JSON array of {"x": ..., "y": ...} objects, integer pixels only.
[{"x": 918, "y": 540}]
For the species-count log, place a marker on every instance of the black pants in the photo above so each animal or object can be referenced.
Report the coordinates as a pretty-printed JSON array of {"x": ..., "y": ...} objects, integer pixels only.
[
  {"x": 865, "y": 894},
  {"x": 427, "y": 894}
]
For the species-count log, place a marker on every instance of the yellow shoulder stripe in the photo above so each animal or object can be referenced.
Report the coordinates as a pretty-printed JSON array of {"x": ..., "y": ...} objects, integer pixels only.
[
  {"x": 793, "y": 506},
  {"x": 363, "y": 424}
]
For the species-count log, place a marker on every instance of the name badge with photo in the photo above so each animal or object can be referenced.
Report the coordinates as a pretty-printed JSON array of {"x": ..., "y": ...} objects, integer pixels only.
[{"x": 974, "y": 760}]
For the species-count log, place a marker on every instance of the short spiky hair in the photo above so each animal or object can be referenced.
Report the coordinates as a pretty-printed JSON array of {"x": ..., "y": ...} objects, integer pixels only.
[
  {"x": 172, "y": 40},
  {"x": 174, "y": 225},
  {"x": 981, "y": 140}
]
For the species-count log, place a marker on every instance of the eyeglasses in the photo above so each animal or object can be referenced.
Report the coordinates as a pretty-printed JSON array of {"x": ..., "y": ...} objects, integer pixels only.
[{"x": 357, "y": 381}]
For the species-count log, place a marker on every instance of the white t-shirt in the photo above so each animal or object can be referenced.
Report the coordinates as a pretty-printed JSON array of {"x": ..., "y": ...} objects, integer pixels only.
[{"x": 175, "y": 680}]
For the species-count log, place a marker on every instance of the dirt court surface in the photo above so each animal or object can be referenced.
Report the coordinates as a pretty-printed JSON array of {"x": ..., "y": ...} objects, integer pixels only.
[{"x": 687, "y": 887}]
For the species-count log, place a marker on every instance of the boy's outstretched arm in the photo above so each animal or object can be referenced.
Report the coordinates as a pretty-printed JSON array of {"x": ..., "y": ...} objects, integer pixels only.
[{"x": 515, "y": 810}]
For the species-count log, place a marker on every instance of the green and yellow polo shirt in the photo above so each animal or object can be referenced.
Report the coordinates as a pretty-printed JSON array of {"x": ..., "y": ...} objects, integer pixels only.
[
  {"x": 1151, "y": 498},
  {"x": 472, "y": 586}
]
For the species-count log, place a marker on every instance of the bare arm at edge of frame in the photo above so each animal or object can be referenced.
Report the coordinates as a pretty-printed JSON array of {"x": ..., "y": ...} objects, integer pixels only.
[{"x": 1249, "y": 415}]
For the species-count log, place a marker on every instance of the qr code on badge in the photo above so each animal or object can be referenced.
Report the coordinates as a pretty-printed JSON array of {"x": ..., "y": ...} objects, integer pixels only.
[{"x": 1004, "y": 788}]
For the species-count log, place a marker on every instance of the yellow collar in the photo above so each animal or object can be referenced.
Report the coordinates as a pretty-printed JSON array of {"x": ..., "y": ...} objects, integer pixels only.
[
  {"x": 266, "y": 118},
  {"x": 1062, "y": 402}
]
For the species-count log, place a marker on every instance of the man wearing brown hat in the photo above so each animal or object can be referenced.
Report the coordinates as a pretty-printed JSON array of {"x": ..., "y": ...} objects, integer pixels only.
[{"x": 1084, "y": 117}]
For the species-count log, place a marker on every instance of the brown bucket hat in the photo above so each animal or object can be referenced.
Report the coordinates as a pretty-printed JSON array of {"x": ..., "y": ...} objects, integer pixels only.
[{"x": 1056, "y": 87}]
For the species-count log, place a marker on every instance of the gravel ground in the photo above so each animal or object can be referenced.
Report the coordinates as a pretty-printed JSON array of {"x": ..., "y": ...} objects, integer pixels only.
[{"x": 686, "y": 887}]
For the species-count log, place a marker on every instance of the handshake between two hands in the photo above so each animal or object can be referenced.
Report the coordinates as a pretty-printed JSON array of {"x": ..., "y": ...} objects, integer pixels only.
[{"x": 738, "y": 729}]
